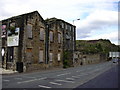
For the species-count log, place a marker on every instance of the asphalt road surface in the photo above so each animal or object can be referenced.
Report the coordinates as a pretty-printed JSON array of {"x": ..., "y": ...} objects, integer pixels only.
[
  {"x": 108, "y": 79},
  {"x": 66, "y": 78}
]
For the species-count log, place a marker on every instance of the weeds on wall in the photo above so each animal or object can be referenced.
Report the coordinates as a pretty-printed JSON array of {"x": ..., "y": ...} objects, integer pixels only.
[{"x": 66, "y": 59}]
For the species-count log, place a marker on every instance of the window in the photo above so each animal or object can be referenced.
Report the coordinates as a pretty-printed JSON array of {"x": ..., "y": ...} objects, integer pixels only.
[
  {"x": 29, "y": 31},
  {"x": 41, "y": 34},
  {"x": 29, "y": 49},
  {"x": 29, "y": 55},
  {"x": 10, "y": 54},
  {"x": 62, "y": 25},
  {"x": 3, "y": 33},
  {"x": 58, "y": 56},
  {"x": 59, "y": 38},
  {"x": 73, "y": 29},
  {"x": 41, "y": 56},
  {"x": 50, "y": 56},
  {"x": 66, "y": 26},
  {"x": 51, "y": 36},
  {"x": 70, "y": 28}
]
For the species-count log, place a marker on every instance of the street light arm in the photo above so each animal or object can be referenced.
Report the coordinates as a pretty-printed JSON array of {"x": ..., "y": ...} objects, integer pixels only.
[{"x": 75, "y": 20}]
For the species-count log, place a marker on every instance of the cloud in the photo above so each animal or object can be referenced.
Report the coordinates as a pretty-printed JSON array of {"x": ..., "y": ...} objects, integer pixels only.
[
  {"x": 95, "y": 15},
  {"x": 112, "y": 36},
  {"x": 97, "y": 21},
  {"x": 64, "y": 9}
]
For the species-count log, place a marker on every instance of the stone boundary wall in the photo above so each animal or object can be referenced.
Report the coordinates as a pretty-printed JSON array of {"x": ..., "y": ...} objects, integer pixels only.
[{"x": 85, "y": 59}]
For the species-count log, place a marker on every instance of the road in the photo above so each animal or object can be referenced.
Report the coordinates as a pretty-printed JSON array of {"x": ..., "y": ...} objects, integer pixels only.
[
  {"x": 65, "y": 78},
  {"x": 108, "y": 79}
]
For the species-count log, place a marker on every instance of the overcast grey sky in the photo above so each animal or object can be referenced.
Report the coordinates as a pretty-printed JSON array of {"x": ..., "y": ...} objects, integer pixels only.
[{"x": 98, "y": 18}]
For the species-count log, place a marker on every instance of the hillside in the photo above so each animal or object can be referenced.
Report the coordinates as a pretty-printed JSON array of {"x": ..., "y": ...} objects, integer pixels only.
[{"x": 96, "y": 46}]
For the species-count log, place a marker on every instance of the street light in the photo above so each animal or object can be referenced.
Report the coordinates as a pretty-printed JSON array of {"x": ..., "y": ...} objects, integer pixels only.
[
  {"x": 74, "y": 41},
  {"x": 75, "y": 20}
]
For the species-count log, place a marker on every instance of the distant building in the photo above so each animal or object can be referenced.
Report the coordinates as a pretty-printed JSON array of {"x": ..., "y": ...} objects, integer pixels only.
[
  {"x": 114, "y": 54},
  {"x": 29, "y": 42}
]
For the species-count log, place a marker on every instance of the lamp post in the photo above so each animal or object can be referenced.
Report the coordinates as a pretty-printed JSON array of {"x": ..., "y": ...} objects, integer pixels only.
[
  {"x": 74, "y": 39},
  {"x": 75, "y": 20}
]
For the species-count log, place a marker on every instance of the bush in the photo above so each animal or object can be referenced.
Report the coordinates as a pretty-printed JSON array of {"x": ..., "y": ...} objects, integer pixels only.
[{"x": 66, "y": 60}]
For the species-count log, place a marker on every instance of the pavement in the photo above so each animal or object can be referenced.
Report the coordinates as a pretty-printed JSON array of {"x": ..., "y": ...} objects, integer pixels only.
[{"x": 4, "y": 71}]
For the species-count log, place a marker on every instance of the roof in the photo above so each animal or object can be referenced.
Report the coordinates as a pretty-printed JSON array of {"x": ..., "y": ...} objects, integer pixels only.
[
  {"x": 52, "y": 20},
  {"x": 25, "y": 15}
]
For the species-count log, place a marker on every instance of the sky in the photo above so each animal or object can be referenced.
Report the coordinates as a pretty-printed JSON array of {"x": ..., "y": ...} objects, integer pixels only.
[{"x": 98, "y": 18}]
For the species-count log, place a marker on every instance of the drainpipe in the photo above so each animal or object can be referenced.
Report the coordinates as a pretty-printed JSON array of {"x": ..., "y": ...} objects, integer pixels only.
[
  {"x": 46, "y": 45},
  {"x": 73, "y": 44}
]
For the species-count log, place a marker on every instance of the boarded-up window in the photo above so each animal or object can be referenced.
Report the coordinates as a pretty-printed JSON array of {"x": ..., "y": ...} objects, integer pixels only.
[
  {"x": 70, "y": 28},
  {"x": 62, "y": 24},
  {"x": 59, "y": 38},
  {"x": 29, "y": 31},
  {"x": 41, "y": 34},
  {"x": 41, "y": 56},
  {"x": 29, "y": 54},
  {"x": 51, "y": 36},
  {"x": 58, "y": 56},
  {"x": 51, "y": 56},
  {"x": 66, "y": 26},
  {"x": 29, "y": 50}
]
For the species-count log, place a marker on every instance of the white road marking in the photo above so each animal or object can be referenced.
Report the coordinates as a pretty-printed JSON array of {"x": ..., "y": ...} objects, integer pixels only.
[
  {"x": 97, "y": 69},
  {"x": 6, "y": 80},
  {"x": 79, "y": 70},
  {"x": 55, "y": 83},
  {"x": 18, "y": 78},
  {"x": 29, "y": 77},
  {"x": 70, "y": 78},
  {"x": 31, "y": 80},
  {"x": 65, "y": 81},
  {"x": 76, "y": 76},
  {"x": 63, "y": 74},
  {"x": 44, "y": 86},
  {"x": 84, "y": 74}
]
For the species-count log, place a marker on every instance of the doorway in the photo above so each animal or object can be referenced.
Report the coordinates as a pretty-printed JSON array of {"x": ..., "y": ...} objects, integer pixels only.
[{"x": 10, "y": 54}]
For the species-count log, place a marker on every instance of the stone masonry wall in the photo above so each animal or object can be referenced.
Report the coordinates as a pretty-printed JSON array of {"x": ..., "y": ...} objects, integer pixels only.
[
  {"x": 84, "y": 59},
  {"x": 33, "y": 45}
]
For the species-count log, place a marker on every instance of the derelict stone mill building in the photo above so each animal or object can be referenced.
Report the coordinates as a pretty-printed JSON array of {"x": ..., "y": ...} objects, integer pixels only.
[
  {"x": 62, "y": 40},
  {"x": 29, "y": 42}
]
